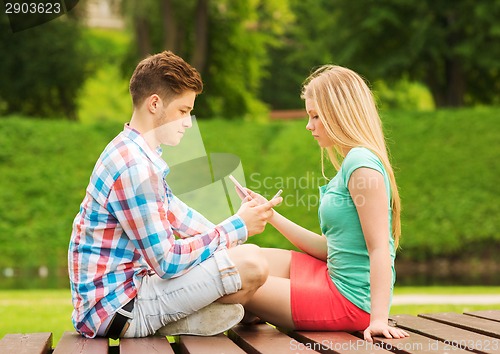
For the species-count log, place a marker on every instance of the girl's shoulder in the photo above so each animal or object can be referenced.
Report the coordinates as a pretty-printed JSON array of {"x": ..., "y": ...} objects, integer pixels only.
[{"x": 359, "y": 157}]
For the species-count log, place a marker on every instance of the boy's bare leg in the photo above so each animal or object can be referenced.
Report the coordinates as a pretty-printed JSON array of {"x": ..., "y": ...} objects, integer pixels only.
[{"x": 253, "y": 269}]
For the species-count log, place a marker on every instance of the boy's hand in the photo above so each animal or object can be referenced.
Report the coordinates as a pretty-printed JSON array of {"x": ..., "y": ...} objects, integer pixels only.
[
  {"x": 255, "y": 196},
  {"x": 255, "y": 213}
]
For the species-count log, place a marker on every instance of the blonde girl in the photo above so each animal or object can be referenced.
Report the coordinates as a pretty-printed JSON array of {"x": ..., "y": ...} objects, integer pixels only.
[{"x": 343, "y": 279}]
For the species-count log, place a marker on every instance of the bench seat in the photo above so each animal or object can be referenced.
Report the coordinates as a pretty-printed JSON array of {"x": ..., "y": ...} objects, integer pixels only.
[{"x": 477, "y": 332}]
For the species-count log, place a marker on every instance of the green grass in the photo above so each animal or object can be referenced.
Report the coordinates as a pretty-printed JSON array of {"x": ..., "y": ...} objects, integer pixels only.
[
  {"x": 440, "y": 290},
  {"x": 29, "y": 311},
  {"x": 418, "y": 309}
]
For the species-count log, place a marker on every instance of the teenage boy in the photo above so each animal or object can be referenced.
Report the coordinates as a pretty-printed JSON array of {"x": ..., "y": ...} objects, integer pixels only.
[{"x": 141, "y": 261}]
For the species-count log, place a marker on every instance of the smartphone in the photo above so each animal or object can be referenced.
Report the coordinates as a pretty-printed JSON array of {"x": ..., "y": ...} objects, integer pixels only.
[
  {"x": 277, "y": 194},
  {"x": 244, "y": 192},
  {"x": 239, "y": 186}
]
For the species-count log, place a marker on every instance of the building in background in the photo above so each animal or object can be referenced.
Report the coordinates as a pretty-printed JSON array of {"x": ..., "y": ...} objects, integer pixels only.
[{"x": 104, "y": 14}]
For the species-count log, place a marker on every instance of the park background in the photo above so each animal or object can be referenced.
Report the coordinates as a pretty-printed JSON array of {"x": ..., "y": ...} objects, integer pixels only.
[{"x": 433, "y": 67}]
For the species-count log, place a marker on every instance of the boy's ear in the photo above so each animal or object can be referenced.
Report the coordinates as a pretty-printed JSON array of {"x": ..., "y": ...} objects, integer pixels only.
[{"x": 153, "y": 103}]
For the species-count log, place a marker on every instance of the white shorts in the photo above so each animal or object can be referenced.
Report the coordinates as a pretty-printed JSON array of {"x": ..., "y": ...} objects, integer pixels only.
[{"x": 161, "y": 301}]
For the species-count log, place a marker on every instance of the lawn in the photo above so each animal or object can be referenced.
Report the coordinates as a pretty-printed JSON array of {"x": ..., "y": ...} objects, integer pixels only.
[{"x": 27, "y": 311}]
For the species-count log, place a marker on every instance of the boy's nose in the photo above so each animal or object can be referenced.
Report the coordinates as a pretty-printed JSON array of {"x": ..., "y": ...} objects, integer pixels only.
[{"x": 188, "y": 122}]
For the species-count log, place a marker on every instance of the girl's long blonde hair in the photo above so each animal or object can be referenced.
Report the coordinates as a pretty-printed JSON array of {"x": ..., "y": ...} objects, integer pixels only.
[{"x": 346, "y": 108}]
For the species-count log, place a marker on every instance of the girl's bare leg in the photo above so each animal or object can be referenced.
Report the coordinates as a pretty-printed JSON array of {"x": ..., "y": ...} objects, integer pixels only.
[
  {"x": 271, "y": 302},
  {"x": 279, "y": 261}
]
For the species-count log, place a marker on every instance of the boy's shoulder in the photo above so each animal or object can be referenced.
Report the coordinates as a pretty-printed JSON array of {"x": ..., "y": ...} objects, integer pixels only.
[{"x": 120, "y": 153}]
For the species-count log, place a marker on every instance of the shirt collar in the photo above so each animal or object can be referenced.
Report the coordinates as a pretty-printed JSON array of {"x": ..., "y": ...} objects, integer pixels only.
[{"x": 153, "y": 155}]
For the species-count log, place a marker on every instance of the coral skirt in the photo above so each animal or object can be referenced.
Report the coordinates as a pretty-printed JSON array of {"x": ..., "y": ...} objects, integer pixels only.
[{"x": 317, "y": 305}]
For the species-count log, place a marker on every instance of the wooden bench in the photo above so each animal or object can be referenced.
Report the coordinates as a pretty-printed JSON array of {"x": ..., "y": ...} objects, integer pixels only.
[{"x": 477, "y": 332}]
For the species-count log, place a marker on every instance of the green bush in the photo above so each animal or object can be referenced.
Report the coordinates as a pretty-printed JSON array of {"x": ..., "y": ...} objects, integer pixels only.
[
  {"x": 446, "y": 164},
  {"x": 42, "y": 68},
  {"x": 45, "y": 166}
]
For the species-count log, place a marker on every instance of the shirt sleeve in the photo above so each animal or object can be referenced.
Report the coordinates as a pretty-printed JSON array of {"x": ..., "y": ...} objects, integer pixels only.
[
  {"x": 358, "y": 158},
  {"x": 186, "y": 221},
  {"x": 138, "y": 201}
]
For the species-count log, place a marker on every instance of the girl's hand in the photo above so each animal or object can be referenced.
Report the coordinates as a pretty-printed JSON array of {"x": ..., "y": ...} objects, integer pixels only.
[
  {"x": 260, "y": 200},
  {"x": 381, "y": 327}
]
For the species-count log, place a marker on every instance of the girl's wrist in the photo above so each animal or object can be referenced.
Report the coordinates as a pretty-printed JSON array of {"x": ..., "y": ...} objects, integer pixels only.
[{"x": 382, "y": 319}]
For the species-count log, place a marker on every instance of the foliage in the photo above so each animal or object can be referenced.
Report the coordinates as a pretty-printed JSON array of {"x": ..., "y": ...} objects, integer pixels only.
[
  {"x": 42, "y": 68},
  {"x": 105, "y": 97},
  {"x": 106, "y": 46},
  {"x": 44, "y": 168},
  {"x": 445, "y": 165},
  {"x": 452, "y": 49},
  {"x": 411, "y": 96},
  {"x": 239, "y": 34},
  {"x": 304, "y": 46},
  {"x": 445, "y": 162}
]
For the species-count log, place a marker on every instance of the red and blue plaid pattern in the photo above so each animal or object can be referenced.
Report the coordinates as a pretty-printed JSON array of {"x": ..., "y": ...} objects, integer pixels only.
[{"x": 127, "y": 227}]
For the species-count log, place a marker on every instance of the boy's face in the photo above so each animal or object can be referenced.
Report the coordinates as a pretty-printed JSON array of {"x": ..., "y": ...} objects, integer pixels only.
[{"x": 174, "y": 119}]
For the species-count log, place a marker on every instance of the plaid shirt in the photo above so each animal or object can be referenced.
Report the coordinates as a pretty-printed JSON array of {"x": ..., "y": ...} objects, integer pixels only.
[{"x": 126, "y": 228}]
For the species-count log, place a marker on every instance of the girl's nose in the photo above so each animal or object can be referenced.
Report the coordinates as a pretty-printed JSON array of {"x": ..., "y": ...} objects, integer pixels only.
[{"x": 309, "y": 125}]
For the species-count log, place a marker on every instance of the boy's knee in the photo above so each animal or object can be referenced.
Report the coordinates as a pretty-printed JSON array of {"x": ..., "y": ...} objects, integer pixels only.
[{"x": 252, "y": 266}]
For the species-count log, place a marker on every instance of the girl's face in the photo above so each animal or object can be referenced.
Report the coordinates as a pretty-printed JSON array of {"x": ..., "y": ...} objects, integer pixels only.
[{"x": 315, "y": 126}]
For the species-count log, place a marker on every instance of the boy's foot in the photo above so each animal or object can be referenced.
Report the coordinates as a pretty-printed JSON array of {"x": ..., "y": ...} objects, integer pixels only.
[{"x": 208, "y": 321}]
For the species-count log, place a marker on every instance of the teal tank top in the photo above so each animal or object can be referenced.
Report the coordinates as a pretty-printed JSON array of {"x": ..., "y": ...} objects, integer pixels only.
[{"x": 348, "y": 261}]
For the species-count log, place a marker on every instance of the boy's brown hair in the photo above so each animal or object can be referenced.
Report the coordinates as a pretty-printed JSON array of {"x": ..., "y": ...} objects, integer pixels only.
[{"x": 165, "y": 74}]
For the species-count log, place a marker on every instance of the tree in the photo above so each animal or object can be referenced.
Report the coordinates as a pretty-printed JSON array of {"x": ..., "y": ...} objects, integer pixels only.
[
  {"x": 42, "y": 68},
  {"x": 227, "y": 41},
  {"x": 452, "y": 47},
  {"x": 305, "y": 44}
]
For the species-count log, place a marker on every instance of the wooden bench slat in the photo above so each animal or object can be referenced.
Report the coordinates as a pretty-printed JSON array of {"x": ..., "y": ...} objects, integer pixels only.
[
  {"x": 474, "y": 324},
  {"x": 147, "y": 345},
  {"x": 493, "y": 315},
  {"x": 33, "y": 343},
  {"x": 448, "y": 334},
  {"x": 74, "y": 343},
  {"x": 417, "y": 343},
  {"x": 208, "y": 345},
  {"x": 262, "y": 339},
  {"x": 336, "y": 342}
]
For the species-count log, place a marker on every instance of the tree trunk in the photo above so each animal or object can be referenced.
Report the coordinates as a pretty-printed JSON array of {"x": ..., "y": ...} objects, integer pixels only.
[
  {"x": 169, "y": 27},
  {"x": 201, "y": 36},
  {"x": 433, "y": 83},
  {"x": 143, "y": 37},
  {"x": 447, "y": 85},
  {"x": 455, "y": 83}
]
